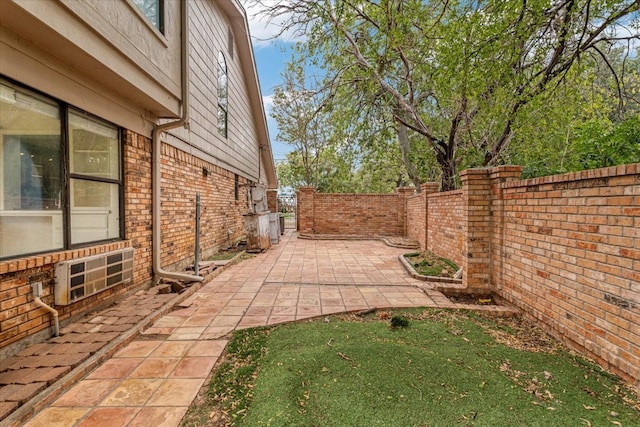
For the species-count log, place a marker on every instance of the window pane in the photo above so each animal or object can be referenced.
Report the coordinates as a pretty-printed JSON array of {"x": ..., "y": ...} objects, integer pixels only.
[
  {"x": 94, "y": 147},
  {"x": 222, "y": 122},
  {"x": 152, "y": 9},
  {"x": 31, "y": 178},
  {"x": 223, "y": 95},
  {"x": 95, "y": 213}
]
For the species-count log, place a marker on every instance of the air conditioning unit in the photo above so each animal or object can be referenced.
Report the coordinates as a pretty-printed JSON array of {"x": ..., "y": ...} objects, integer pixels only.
[{"x": 80, "y": 278}]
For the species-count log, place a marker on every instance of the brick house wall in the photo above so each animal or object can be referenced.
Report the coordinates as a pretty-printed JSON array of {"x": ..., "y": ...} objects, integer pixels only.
[
  {"x": 222, "y": 223},
  {"x": 221, "y": 212},
  {"x": 20, "y": 319}
]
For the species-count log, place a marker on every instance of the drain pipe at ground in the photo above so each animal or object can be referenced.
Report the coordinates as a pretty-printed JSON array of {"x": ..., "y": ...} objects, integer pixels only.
[
  {"x": 156, "y": 142},
  {"x": 37, "y": 292}
]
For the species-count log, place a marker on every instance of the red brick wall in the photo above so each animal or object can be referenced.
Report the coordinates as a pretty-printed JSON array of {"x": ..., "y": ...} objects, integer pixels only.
[
  {"x": 137, "y": 203},
  {"x": 20, "y": 318},
  {"x": 272, "y": 201},
  {"x": 565, "y": 248},
  {"x": 444, "y": 236},
  {"x": 417, "y": 219},
  {"x": 351, "y": 214},
  {"x": 435, "y": 221},
  {"x": 182, "y": 176},
  {"x": 571, "y": 259},
  {"x": 221, "y": 223}
]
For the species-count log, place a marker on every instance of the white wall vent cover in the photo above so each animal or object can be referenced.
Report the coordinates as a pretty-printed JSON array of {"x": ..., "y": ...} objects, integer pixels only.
[{"x": 80, "y": 278}]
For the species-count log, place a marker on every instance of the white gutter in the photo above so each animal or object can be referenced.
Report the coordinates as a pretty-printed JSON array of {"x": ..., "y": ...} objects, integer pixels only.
[{"x": 156, "y": 142}]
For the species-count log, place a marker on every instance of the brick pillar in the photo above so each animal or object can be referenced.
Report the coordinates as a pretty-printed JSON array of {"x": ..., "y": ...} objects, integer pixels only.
[
  {"x": 403, "y": 193},
  {"x": 476, "y": 215},
  {"x": 498, "y": 176},
  {"x": 305, "y": 209},
  {"x": 272, "y": 201}
]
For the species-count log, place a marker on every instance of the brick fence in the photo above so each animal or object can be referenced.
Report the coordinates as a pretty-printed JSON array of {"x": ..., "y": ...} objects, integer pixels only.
[
  {"x": 435, "y": 221},
  {"x": 565, "y": 249},
  {"x": 351, "y": 214}
]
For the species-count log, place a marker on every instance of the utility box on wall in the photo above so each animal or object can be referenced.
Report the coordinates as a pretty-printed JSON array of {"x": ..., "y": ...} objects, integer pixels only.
[
  {"x": 257, "y": 219},
  {"x": 257, "y": 227},
  {"x": 258, "y": 198},
  {"x": 274, "y": 228}
]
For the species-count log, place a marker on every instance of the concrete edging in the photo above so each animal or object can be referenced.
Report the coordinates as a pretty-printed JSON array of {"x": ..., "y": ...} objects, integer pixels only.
[{"x": 456, "y": 283}]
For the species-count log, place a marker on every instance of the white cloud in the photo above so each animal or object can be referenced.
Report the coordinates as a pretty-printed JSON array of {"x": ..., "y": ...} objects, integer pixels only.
[
  {"x": 265, "y": 30},
  {"x": 267, "y": 101}
]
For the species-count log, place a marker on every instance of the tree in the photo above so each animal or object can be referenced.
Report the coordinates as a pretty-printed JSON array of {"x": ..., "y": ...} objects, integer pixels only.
[
  {"x": 301, "y": 121},
  {"x": 460, "y": 74},
  {"x": 560, "y": 132}
]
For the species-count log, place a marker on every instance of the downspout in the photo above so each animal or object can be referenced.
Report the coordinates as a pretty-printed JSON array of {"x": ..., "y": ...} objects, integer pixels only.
[{"x": 156, "y": 142}]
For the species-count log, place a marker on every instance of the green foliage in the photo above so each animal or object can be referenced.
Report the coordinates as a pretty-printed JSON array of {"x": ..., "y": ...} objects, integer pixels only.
[
  {"x": 456, "y": 84},
  {"x": 582, "y": 124},
  {"x": 598, "y": 147}
]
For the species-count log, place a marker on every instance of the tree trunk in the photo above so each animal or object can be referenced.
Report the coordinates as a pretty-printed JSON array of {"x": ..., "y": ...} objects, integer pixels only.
[
  {"x": 405, "y": 147},
  {"x": 447, "y": 164},
  {"x": 448, "y": 179}
]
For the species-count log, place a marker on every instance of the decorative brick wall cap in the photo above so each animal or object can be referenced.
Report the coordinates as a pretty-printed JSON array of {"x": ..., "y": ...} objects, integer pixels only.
[
  {"x": 406, "y": 190},
  {"x": 631, "y": 169},
  {"x": 429, "y": 187},
  {"x": 446, "y": 193},
  {"x": 510, "y": 169},
  {"x": 25, "y": 263},
  {"x": 474, "y": 172}
]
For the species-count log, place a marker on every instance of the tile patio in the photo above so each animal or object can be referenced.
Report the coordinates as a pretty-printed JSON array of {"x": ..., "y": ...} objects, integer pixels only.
[{"x": 153, "y": 378}]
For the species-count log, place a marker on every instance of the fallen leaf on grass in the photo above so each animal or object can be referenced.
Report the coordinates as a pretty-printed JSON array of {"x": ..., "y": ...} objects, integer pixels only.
[
  {"x": 587, "y": 422},
  {"x": 345, "y": 357},
  {"x": 588, "y": 408}
]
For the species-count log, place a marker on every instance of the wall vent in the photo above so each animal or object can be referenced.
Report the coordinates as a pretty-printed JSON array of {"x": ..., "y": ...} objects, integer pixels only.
[{"x": 80, "y": 278}]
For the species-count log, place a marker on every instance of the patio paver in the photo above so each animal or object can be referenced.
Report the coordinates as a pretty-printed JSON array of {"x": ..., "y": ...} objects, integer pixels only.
[{"x": 155, "y": 377}]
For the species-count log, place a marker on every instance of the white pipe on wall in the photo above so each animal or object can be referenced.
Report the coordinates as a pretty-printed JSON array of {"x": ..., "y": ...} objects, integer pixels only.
[
  {"x": 37, "y": 291},
  {"x": 158, "y": 272}
]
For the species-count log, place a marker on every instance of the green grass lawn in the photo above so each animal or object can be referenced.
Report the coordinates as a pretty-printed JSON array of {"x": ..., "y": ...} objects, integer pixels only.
[{"x": 444, "y": 369}]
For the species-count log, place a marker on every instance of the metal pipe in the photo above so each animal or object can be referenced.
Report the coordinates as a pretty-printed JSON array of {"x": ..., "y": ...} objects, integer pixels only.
[
  {"x": 196, "y": 261},
  {"x": 37, "y": 291},
  {"x": 158, "y": 272}
]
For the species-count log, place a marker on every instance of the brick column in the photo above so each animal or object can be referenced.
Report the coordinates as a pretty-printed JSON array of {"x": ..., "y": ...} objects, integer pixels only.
[
  {"x": 476, "y": 215},
  {"x": 272, "y": 201},
  {"x": 499, "y": 175},
  {"x": 305, "y": 209},
  {"x": 403, "y": 193}
]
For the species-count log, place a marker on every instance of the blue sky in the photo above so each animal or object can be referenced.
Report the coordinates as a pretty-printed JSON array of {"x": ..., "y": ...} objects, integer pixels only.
[
  {"x": 271, "y": 56},
  {"x": 270, "y": 61}
]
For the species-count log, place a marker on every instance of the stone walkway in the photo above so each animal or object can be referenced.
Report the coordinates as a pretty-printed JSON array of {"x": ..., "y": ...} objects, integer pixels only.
[{"x": 152, "y": 378}]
